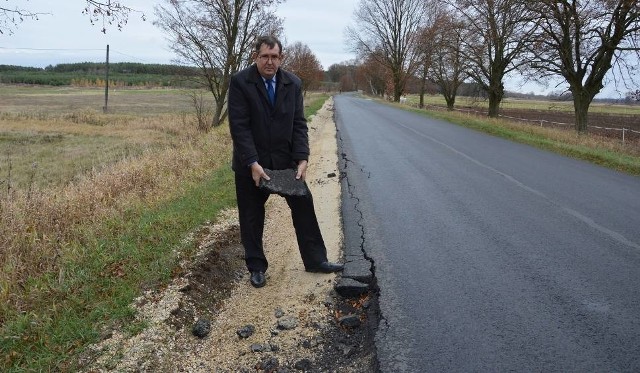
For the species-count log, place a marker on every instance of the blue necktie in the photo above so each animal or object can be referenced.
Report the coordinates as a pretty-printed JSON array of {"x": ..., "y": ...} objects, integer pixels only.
[{"x": 270, "y": 92}]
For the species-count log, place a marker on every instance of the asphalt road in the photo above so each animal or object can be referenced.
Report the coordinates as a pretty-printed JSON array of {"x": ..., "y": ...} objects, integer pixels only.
[{"x": 490, "y": 255}]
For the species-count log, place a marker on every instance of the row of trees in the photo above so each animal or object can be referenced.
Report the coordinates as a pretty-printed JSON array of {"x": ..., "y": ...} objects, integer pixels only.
[
  {"x": 91, "y": 74},
  {"x": 121, "y": 67},
  {"x": 455, "y": 41},
  {"x": 118, "y": 67}
]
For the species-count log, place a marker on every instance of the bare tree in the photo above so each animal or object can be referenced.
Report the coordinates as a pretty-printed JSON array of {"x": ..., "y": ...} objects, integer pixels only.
[
  {"x": 216, "y": 36},
  {"x": 373, "y": 75},
  {"x": 10, "y": 17},
  {"x": 390, "y": 26},
  {"x": 335, "y": 71},
  {"x": 110, "y": 12},
  {"x": 497, "y": 33},
  {"x": 202, "y": 109},
  {"x": 448, "y": 66},
  {"x": 300, "y": 60},
  {"x": 344, "y": 73},
  {"x": 582, "y": 41},
  {"x": 426, "y": 46}
]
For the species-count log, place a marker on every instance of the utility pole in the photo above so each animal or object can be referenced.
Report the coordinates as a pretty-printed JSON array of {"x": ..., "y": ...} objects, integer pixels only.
[{"x": 106, "y": 86}]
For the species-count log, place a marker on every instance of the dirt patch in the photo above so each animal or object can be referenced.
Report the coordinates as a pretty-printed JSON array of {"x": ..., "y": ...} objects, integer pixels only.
[
  {"x": 606, "y": 125},
  {"x": 601, "y": 124},
  {"x": 295, "y": 323}
]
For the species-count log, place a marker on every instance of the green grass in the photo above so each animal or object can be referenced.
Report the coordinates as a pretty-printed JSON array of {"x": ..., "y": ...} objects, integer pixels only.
[
  {"x": 313, "y": 103},
  {"x": 604, "y": 152}
]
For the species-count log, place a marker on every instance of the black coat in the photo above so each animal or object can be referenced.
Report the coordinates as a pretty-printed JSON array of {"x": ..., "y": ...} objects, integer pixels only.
[{"x": 276, "y": 137}]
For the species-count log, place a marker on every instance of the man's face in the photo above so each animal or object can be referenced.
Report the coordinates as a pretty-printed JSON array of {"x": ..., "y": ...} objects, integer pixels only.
[{"x": 268, "y": 60}]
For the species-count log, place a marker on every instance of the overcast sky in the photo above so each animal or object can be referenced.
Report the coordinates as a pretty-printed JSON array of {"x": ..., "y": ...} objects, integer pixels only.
[{"x": 66, "y": 35}]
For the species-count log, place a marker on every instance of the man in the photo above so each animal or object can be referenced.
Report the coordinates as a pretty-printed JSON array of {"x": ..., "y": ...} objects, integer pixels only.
[{"x": 269, "y": 130}]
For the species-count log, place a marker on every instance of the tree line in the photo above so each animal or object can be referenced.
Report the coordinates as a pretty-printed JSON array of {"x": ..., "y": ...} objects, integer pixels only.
[
  {"x": 88, "y": 74},
  {"x": 124, "y": 68},
  {"x": 118, "y": 67}
]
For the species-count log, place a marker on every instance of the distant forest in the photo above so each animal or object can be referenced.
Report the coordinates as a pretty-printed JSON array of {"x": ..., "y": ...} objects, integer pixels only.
[
  {"x": 88, "y": 74},
  {"x": 140, "y": 75}
]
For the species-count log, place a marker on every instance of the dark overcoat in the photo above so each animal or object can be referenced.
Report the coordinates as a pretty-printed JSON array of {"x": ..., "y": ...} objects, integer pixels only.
[{"x": 275, "y": 136}]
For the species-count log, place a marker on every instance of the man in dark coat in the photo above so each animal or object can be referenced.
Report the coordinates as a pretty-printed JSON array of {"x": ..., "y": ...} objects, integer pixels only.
[{"x": 269, "y": 130}]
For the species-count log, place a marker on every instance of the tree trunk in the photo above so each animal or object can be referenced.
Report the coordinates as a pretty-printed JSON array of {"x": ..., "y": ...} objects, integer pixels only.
[
  {"x": 423, "y": 88},
  {"x": 451, "y": 100},
  {"x": 496, "y": 93},
  {"x": 397, "y": 93},
  {"x": 372, "y": 88},
  {"x": 582, "y": 116},
  {"x": 398, "y": 87},
  {"x": 581, "y": 103},
  {"x": 218, "y": 115}
]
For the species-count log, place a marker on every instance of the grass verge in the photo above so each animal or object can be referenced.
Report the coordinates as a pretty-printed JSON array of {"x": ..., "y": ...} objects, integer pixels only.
[{"x": 602, "y": 151}]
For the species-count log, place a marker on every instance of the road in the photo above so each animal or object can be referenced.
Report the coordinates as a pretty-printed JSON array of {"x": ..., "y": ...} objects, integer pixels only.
[{"x": 489, "y": 255}]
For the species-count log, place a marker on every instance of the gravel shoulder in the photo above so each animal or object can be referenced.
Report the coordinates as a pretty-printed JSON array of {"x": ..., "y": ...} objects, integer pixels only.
[{"x": 295, "y": 323}]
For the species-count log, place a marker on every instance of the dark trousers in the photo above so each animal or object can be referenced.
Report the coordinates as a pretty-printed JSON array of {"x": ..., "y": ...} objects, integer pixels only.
[{"x": 251, "y": 201}]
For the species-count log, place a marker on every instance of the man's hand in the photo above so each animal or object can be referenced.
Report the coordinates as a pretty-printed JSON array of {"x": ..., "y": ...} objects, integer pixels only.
[
  {"x": 302, "y": 170},
  {"x": 257, "y": 173}
]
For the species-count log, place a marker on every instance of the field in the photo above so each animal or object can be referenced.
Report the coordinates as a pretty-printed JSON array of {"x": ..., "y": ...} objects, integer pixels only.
[
  {"x": 607, "y": 120},
  {"x": 49, "y": 137},
  {"x": 44, "y": 100}
]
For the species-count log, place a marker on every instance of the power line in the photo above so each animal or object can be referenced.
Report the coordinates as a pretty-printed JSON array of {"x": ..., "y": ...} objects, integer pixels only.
[
  {"x": 51, "y": 49},
  {"x": 75, "y": 50},
  {"x": 127, "y": 55}
]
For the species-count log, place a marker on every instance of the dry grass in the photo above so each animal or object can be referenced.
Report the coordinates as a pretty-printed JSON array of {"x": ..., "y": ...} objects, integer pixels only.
[
  {"x": 37, "y": 227},
  {"x": 33, "y": 100},
  {"x": 54, "y": 150},
  {"x": 48, "y": 135},
  {"x": 91, "y": 167},
  {"x": 571, "y": 137}
]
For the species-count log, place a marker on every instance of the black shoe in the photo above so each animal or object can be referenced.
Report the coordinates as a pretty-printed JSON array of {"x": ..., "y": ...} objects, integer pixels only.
[
  {"x": 327, "y": 267},
  {"x": 258, "y": 279}
]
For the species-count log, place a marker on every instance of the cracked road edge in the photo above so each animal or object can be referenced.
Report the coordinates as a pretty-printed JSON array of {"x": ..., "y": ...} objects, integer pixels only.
[{"x": 359, "y": 263}]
